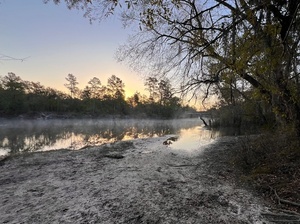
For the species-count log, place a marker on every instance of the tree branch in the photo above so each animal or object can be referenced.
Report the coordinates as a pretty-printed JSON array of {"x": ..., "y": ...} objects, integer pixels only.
[
  {"x": 4, "y": 57},
  {"x": 280, "y": 200}
]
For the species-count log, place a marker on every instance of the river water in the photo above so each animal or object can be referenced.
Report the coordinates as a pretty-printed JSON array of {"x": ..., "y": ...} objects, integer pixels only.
[{"x": 42, "y": 135}]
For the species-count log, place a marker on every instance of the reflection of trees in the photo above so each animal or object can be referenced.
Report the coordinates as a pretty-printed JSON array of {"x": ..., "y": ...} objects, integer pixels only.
[
  {"x": 35, "y": 135},
  {"x": 27, "y": 137}
]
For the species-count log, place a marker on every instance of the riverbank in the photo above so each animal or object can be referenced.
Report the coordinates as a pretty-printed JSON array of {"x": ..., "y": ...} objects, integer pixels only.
[{"x": 140, "y": 181}]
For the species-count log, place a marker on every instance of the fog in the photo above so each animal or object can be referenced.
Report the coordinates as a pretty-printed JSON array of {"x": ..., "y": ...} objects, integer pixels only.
[{"x": 40, "y": 135}]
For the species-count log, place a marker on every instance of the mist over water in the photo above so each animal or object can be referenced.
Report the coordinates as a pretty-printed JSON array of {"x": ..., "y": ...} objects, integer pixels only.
[{"x": 41, "y": 135}]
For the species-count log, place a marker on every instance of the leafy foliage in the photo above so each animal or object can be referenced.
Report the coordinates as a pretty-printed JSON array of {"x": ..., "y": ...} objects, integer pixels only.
[
  {"x": 240, "y": 50},
  {"x": 24, "y": 97}
]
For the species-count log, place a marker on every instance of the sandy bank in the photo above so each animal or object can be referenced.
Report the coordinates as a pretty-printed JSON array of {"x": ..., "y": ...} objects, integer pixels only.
[{"x": 141, "y": 181}]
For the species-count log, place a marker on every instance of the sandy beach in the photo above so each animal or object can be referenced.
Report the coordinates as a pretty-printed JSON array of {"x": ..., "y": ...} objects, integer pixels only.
[{"x": 138, "y": 181}]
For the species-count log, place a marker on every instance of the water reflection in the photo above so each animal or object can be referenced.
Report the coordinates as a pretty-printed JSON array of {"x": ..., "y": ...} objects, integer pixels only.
[
  {"x": 39, "y": 135},
  {"x": 191, "y": 139}
]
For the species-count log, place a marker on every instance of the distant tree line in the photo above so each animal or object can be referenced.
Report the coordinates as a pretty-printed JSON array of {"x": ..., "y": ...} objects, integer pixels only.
[{"x": 18, "y": 97}]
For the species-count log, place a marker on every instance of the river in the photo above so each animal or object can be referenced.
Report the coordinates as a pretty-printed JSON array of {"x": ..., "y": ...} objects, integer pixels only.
[{"x": 42, "y": 135}]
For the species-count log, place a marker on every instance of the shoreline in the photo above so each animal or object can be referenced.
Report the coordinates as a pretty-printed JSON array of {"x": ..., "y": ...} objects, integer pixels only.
[{"x": 137, "y": 181}]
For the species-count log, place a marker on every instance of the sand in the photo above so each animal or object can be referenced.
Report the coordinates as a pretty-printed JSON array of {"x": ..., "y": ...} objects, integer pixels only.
[{"x": 138, "y": 181}]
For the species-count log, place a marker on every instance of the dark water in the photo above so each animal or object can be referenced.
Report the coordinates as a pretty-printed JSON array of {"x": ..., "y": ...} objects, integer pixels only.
[{"x": 40, "y": 135}]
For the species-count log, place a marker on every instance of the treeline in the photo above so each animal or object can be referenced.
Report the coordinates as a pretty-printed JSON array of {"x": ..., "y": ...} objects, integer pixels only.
[{"x": 18, "y": 96}]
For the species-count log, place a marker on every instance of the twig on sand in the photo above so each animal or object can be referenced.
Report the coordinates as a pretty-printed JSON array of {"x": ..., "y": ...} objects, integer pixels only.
[
  {"x": 288, "y": 211},
  {"x": 286, "y": 221},
  {"x": 283, "y": 201},
  {"x": 282, "y": 217},
  {"x": 180, "y": 165}
]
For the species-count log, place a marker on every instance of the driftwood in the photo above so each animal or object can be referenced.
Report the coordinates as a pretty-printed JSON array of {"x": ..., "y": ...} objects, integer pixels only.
[
  {"x": 170, "y": 140},
  {"x": 204, "y": 122}
]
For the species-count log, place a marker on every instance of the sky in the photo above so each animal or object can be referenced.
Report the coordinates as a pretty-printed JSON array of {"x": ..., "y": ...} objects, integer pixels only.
[{"x": 55, "y": 41}]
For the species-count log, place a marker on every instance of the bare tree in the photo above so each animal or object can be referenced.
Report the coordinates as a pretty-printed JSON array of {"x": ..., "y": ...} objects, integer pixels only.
[{"x": 204, "y": 44}]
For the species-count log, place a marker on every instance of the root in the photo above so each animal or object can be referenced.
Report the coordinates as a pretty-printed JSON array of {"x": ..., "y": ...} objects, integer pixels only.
[
  {"x": 285, "y": 221},
  {"x": 282, "y": 217},
  {"x": 288, "y": 212},
  {"x": 283, "y": 201}
]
